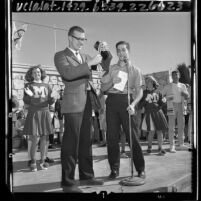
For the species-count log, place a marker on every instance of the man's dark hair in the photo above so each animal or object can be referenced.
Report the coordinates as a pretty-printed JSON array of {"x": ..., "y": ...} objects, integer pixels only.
[
  {"x": 123, "y": 43},
  {"x": 75, "y": 28},
  {"x": 29, "y": 76},
  {"x": 175, "y": 71}
]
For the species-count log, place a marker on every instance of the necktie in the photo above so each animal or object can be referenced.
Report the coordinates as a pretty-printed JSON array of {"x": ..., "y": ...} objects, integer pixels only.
[
  {"x": 80, "y": 60},
  {"x": 78, "y": 56}
]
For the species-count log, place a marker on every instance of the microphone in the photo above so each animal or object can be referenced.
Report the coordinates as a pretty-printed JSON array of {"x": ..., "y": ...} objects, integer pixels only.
[{"x": 125, "y": 60}]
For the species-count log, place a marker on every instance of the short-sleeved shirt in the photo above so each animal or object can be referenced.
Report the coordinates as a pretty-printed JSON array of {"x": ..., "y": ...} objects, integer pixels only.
[
  {"x": 135, "y": 78},
  {"x": 175, "y": 90}
]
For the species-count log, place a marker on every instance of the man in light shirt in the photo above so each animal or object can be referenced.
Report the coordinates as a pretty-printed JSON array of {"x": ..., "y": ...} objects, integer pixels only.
[
  {"x": 117, "y": 109},
  {"x": 175, "y": 94}
]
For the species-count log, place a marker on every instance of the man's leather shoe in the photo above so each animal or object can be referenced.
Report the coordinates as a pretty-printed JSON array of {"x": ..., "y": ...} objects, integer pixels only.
[
  {"x": 114, "y": 174},
  {"x": 142, "y": 174},
  {"x": 93, "y": 181},
  {"x": 71, "y": 189}
]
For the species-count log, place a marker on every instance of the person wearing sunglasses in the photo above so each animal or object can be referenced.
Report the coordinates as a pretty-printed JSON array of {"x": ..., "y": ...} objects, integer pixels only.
[{"x": 74, "y": 68}]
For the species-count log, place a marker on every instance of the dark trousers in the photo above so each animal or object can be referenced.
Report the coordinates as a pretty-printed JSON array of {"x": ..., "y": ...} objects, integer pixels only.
[
  {"x": 116, "y": 115},
  {"x": 77, "y": 145},
  {"x": 51, "y": 138}
]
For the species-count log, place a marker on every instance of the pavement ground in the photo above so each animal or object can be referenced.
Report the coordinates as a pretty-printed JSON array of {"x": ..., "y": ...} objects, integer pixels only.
[{"x": 162, "y": 172}]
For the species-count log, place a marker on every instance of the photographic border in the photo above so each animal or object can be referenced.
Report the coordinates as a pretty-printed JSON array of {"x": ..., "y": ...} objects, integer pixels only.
[{"x": 124, "y": 5}]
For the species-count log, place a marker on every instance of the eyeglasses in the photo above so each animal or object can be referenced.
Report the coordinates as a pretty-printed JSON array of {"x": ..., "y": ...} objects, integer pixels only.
[{"x": 80, "y": 39}]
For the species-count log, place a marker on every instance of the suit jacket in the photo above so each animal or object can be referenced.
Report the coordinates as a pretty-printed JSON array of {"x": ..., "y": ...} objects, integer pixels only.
[{"x": 75, "y": 76}]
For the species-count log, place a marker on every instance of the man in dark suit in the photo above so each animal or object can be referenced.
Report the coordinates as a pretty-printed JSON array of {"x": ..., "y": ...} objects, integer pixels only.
[{"x": 75, "y": 70}]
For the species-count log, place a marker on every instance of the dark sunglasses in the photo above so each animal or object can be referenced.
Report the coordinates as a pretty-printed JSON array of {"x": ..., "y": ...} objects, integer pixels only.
[{"x": 80, "y": 39}]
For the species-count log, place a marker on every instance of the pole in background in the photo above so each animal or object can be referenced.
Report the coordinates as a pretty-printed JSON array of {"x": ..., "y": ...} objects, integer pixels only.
[{"x": 55, "y": 39}]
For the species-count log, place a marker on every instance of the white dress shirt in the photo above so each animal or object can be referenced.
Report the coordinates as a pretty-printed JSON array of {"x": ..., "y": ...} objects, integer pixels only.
[
  {"x": 176, "y": 89},
  {"x": 77, "y": 54}
]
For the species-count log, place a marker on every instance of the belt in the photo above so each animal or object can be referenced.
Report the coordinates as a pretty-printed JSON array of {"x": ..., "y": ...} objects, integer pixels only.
[
  {"x": 113, "y": 95},
  {"x": 117, "y": 94},
  {"x": 35, "y": 108}
]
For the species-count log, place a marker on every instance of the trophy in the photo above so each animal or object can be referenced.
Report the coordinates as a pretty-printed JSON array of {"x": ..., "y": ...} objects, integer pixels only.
[{"x": 104, "y": 54}]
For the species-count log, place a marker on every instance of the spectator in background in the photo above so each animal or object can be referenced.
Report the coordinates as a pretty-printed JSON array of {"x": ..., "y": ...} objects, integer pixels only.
[
  {"x": 56, "y": 126},
  {"x": 20, "y": 126},
  {"x": 15, "y": 106},
  {"x": 189, "y": 110},
  {"x": 137, "y": 118},
  {"x": 60, "y": 114},
  {"x": 51, "y": 144},
  {"x": 154, "y": 119},
  {"x": 164, "y": 109},
  {"x": 38, "y": 96},
  {"x": 186, "y": 118},
  {"x": 20, "y": 122},
  {"x": 15, "y": 103},
  {"x": 185, "y": 78},
  {"x": 143, "y": 134},
  {"x": 175, "y": 94}
]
